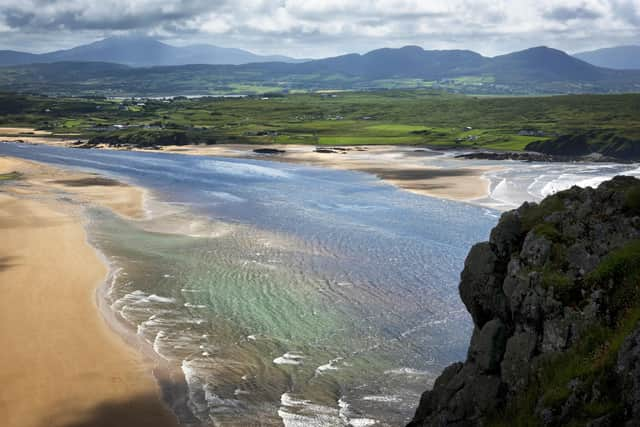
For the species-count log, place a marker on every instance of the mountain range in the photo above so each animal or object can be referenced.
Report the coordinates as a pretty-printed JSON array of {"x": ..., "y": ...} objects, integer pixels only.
[
  {"x": 143, "y": 66},
  {"x": 619, "y": 57},
  {"x": 534, "y": 64},
  {"x": 138, "y": 51},
  {"x": 142, "y": 51}
]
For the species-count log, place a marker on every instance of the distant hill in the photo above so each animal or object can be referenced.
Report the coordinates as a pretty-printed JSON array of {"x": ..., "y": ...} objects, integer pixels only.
[
  {"x": 407, "y": 62},
  {"x": 535, "y": 64},
  {"x": 619, "y": 57},
  {"x": 532, "y": 71},
  {"x": 11, "y": 57},
  {"x": 543, "y": 64},
  {"x": 141, "y": 52}
]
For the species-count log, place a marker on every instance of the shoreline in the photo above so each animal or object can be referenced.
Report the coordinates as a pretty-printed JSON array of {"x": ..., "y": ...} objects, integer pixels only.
[
  {"x": 65, "y": 363},
  {"x": 172, "y": 390},
  {"x": 397, "y": 165},
  {"x": 171, "y": 386}
]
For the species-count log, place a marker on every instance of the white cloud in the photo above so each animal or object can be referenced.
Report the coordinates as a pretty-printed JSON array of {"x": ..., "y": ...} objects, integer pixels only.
[{"x": 325, "y": 27}]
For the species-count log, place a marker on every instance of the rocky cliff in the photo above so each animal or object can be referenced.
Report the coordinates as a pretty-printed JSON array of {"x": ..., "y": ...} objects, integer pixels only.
[
  {"x": 589, "y": 144},
  {"x": 555, "y": 301}
]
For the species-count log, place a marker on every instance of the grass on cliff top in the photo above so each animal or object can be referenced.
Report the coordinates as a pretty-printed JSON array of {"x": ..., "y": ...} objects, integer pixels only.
[
  {"x": 534, "y": 216},
  {"x": 618, "y": 265},
  {"x": 593, "y": 357},
  {"x": 632, "y": 199}
]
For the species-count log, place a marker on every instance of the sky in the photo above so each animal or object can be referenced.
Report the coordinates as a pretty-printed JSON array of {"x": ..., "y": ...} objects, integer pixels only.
[{"x": 319, "y": 28}]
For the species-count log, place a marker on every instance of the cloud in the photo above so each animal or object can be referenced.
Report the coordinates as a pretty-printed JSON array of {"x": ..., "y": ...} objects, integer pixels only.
[
  {"x": 627, "y": 10},
  {"x": 51, "y": 15},
  {"x": 325, "y": 27},
  {"x": 563, "y": 13}
]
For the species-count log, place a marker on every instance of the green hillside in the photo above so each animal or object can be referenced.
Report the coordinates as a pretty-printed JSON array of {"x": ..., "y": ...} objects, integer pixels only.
[{"x": 345, "y": 118}]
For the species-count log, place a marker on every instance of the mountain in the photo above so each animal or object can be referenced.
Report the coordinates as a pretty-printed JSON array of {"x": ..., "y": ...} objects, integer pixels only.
[
  {"x": 619, "y": 57},
  {"x": 141, "y": 52},
  {"x": 12, "y": 57},
  {"x": 407, "y": 62},
  {"x": 537, "y": 64},
  {"x": 555, "y": 305},
  {"x": 539, "y": 70},
  {"x": 543, "y": 64},
  {"x": 134, "y": 51}
]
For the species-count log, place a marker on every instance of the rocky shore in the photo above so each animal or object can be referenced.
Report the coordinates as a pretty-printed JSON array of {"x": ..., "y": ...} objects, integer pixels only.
[
  {"x": 533, "y": 156},
  {"x": 555, "y": 301},
  {"x": 509, "y": 155}
]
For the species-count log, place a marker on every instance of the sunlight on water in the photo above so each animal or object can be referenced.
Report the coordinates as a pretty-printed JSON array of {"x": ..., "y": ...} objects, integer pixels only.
[
  {"x": 286, "y": 293},
  {"x": 291, "y": 294}
]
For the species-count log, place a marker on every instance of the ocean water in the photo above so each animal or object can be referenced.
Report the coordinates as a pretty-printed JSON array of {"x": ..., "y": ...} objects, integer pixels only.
[
  {"x": 293, "y": 295},
  {"x": 520, "y": 182},
  {"x": 285, "y": 294}
]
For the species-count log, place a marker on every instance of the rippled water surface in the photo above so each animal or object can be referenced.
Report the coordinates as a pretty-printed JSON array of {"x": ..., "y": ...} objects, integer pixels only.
[{"x": 285, "y": 293}]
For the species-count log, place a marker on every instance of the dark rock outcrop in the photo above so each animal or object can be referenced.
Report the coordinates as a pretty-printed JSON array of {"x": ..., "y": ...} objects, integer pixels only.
[
  {"x": 269, "y": 151},
  {"x": 555, "y": 304},
  {"x": 340, "y": 150},
  {"x": 538, "y": 153},
  {"x": 511, "y": 155},
  {"x": 599, "y": 143}
]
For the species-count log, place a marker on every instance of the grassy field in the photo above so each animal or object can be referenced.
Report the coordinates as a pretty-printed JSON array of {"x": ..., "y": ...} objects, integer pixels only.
[{"x": 417, "y": 117}]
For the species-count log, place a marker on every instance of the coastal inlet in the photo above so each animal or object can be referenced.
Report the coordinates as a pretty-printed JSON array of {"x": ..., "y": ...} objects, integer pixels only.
[{"x": 285, "y": 294}]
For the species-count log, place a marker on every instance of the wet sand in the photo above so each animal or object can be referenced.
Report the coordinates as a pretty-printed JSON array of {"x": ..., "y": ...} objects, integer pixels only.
[
  {"x": 397, "y": 165},
  {"x": 51, "y": 183},
  {"x": 61, "y": 364}
]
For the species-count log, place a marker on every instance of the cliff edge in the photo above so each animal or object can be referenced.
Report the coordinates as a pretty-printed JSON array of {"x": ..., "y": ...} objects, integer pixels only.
[{"x": 555, "y": 301}]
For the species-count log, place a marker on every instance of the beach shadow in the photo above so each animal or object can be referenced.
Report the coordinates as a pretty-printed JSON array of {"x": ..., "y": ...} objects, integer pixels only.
[
  {"x": 141, "y": 411},
  {"x": 90, "y": 181},
  {"x": 418, "y": 174},
  {"x": 7, "y": 262},
  {"x": 146, "y": 410},
  {"x": 427, "y": 187}
]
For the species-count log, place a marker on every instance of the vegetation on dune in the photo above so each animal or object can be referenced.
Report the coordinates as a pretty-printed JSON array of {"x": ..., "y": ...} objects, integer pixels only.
[
  {"x": 154, "y": 138},
  {"x": 418, "y": 117},
  {"x": 10, "y": 176}
]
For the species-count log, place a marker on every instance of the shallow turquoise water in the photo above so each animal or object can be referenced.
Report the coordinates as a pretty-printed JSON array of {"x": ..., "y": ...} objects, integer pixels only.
[{"x": 305, "y": 296}]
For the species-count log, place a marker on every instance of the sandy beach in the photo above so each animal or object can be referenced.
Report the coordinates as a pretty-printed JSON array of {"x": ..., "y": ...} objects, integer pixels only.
[
  {"x": 61, "y": 363},
  {"x": 33, "y": 136},
  {"x": 397, "y": 165}
]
